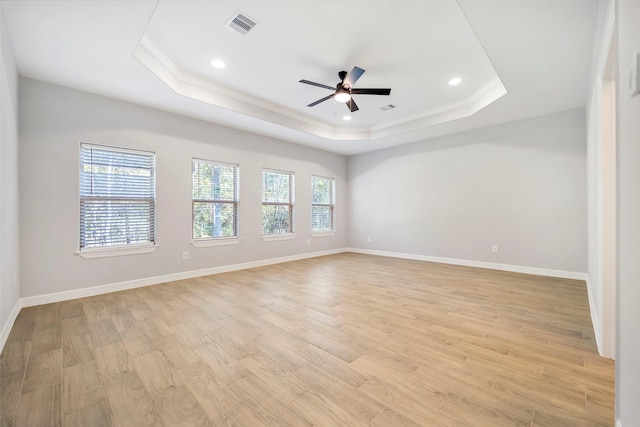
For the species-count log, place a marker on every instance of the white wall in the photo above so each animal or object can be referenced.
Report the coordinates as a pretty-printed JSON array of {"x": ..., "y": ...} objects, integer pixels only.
[
  {"x": 53, "y": 122},
  {"x": 628, "y": 292},
  {"x": 601, "y": 181},
  {"x": 9, "y": 246},
  {"x": 519, "y": 185}
]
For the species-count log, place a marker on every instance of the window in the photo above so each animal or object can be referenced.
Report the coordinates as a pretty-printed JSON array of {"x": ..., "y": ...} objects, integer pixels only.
[
  {"x": 215, "y": 199},
  {"x": 322, "y": 203},
  {"x": 117, "y": 197},
  {"x": 277, "y": 202}
]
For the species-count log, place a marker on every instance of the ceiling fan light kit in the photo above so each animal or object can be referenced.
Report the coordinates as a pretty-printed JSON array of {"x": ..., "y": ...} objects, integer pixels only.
[
  {"x": 345, "y": 89},
  {"x": 342, "y": 95}
]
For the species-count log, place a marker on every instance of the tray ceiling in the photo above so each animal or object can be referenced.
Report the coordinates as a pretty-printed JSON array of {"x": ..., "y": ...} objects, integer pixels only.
[{"x": 514, "y": 60}]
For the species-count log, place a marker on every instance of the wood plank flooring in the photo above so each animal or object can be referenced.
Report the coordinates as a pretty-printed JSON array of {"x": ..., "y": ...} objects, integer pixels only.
[{"x": 344, "y": 340}]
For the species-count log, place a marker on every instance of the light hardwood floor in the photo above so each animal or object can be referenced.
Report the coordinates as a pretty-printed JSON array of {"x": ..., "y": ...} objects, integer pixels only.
[{"x": 345, "y": 340}]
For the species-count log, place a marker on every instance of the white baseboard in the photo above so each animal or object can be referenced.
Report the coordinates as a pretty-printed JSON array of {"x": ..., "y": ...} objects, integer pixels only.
[
  {"x": 595, "y": 321},
  {"x": 480, "y": 264},
  {"x": 6, "y": 328},
  {"x": 138, "y": 283}
]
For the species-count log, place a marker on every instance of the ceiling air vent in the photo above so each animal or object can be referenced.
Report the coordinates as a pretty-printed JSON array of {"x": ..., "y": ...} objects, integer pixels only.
[
  {"x": 241, "y": 23},
  {"x": 388, "y": 107}
]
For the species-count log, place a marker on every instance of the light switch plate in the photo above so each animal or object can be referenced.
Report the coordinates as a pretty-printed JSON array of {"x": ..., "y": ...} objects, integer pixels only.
[{"x": 634, "y": 81}]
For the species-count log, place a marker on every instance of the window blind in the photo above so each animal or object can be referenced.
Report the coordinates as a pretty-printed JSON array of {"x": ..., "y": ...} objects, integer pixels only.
[
  {"x": 214, "y": 199},
  {"x": 117, "y": 197},
  {"x": 277, "y": 202},
  {"x": 322, "y": 203}
]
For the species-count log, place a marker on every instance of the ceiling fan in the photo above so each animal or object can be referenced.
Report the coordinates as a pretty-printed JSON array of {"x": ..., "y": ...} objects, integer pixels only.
[{"x": 345, "y": 89}]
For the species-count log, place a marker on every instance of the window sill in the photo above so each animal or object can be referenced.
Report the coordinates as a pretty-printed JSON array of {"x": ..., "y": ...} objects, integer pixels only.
[
  {"x": 223, "y": 241},
  {"x": 276, "y": 237},
  {"x": 119, "y": 251},
  {"x": 323, "y": 233}
]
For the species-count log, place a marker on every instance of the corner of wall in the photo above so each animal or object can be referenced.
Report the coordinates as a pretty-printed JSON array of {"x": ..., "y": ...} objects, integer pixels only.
[
  {"x": 595, "y": 317},
  {"x": 9, "y": 216},
  {"x": 6, "y": 328}
]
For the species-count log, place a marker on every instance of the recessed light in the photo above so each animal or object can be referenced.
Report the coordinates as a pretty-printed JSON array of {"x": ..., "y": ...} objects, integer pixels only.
[
  {"x": 218, "y": 63},
  {"x": 346, "y": 117},
  {"x": 455, "y": 81}
]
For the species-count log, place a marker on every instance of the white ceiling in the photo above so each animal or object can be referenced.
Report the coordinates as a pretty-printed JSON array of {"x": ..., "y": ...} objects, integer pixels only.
[{"x": 516, "y": 59}]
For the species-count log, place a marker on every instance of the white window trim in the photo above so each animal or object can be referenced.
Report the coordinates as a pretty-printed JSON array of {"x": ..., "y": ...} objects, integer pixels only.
[
  {"x": 277, "y": 237},
  {"x": 215, "y": 241},
  {"x": 323, "y": 233},
  {"x": 219, "y": 241},
  {"x": 332, "y": 231},
  {"x": 291, "y": 204},
  {"x": 92, "y": 253}
]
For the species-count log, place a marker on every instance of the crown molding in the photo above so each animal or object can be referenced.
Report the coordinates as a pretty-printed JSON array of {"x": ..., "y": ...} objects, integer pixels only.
[{"x": 183, "y": 83}]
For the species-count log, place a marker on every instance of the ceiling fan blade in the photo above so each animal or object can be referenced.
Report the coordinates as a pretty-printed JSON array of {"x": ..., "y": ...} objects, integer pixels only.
[
  {"x": 320, "y": 100},
  {"x": 353, "y": 76},
  {"x": 317, "y": 84},
  {"x": 351, "y": 104},
  {"x": 359, "y": 91}
]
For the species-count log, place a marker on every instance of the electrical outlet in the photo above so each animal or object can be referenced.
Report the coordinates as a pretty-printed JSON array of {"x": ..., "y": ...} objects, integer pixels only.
[
  {"x": 369, "y": 239},
  {"x": 308, "y": 242},
  {"x": 494, "y": 249},
  {"x": 185, "y": 255}
]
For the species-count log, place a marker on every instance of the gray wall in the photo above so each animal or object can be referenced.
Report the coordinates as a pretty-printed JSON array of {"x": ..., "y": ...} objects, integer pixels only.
[
  {"x": 53, "y": 122},
  {"x": 628, "y": 292},
  {"x": 9, "y": 246},
  {"x": 520, "y": 185}
]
